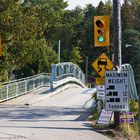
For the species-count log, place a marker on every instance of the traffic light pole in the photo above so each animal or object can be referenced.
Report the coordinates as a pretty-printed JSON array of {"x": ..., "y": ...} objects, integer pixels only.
[{"x": 117, "y": 43}]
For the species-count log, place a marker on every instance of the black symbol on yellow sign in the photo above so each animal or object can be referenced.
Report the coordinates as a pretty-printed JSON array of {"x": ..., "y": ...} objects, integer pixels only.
[{"x": 101, "y": 64}]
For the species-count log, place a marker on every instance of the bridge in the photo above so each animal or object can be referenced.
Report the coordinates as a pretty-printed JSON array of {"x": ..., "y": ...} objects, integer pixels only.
[{"x": 29, "y": 109}]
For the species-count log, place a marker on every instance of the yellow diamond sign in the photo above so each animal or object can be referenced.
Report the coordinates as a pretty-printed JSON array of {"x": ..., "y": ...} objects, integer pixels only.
[{"x": 101, "y": 64}]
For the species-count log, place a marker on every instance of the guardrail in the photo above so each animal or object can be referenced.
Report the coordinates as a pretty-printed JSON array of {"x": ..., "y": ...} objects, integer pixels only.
[{"x": 19, "y": 87}]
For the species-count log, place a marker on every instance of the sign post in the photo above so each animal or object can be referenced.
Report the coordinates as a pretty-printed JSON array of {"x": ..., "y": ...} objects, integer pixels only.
[
  {"x": 117, "y": 43},
  {"x": 126, "y": 118}
]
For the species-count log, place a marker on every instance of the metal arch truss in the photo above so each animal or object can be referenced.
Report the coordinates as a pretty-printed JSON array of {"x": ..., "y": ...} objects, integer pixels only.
[{"x": 67, "y": 72}]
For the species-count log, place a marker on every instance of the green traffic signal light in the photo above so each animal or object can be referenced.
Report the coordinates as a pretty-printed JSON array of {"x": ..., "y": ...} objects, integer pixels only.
[{"x": 100, "y": 39}]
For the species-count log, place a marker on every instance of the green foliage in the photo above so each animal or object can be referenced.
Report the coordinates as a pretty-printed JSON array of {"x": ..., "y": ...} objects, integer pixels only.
[
  {"x": 75, "y": 56},
  {"x": 100, "y": 8},
  {"x": 131, "y": 36},
  {"x": 23, "y": 26},
  {"x": 134, "y": 107},
  {"x": 131, "y": 54},
  {"x": 31, "y": 29}
]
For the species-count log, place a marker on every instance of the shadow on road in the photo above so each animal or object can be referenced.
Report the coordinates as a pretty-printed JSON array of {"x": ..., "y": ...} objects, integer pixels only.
[{"x": 36, "y": 113}]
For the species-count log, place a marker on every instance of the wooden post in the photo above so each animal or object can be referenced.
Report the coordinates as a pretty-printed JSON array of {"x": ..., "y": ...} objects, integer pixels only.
[{"x": 117, "y": 44}]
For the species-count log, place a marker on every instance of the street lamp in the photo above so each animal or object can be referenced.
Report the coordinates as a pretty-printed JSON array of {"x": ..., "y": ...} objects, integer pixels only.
[
  {"x": 131, "y": 46},
  {"x": 59, "y": 44},
  {"x": 128, "y": 45}
]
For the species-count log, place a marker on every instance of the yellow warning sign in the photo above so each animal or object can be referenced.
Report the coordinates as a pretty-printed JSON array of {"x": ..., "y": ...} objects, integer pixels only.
[
  {"x": 101, "y": 64},
  {"x": 100, "y": 81}
]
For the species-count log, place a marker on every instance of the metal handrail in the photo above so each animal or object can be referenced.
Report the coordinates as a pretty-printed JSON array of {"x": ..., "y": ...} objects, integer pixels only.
[
  {"x": 67, "y": 69},
  {"x": 61, "y": 74},
  {"x": 22, "y": 86}
]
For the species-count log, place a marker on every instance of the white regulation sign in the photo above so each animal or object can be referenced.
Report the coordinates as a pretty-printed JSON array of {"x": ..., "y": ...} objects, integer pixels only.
[
  {"x": 116, "y": 91},
  {"x": 105, "y": 117}
]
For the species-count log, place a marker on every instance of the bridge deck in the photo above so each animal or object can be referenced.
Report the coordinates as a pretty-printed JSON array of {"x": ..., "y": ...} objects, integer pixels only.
[{"x": 55, "y": 118}]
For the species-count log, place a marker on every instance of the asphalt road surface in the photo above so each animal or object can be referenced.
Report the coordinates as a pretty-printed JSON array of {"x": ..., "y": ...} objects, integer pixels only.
[{"x": 58, "y": 117}]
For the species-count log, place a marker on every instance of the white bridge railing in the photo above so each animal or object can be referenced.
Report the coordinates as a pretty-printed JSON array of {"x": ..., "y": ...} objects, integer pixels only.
[
  {"x": 21, "y": 86},
  {"x": 62, "y": 73},
  {"x": 67, "y": 72}
]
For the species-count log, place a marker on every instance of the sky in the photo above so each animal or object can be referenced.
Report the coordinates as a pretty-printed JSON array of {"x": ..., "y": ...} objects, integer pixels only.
[{"x": 82, "y": 3}]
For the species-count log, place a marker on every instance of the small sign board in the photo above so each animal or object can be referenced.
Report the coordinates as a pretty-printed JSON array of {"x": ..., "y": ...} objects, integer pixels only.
[
  {"x": 100, "y": 87},
  {"x": 100, "y": 81},
  {"x": 100, "y": 92},
  {"x": 116, "y": 91},
  {"x": 126, "y": 117},
  {"x": 105, "y": 117},
  {"x": 101, "y": 95},
  {"x": 101, "y": 64}
]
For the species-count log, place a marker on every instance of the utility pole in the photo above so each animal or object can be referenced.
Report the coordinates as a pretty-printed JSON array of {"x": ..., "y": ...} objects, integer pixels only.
[
  {"x": 59, "y": 51},
  {"x": 117, "y": 43}
]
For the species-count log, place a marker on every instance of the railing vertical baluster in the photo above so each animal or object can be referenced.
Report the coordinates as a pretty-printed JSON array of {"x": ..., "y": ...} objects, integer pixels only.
[
  {"x": 34, "y": 83},
  {"x": 7, "y": 91},
  {"x": 25, "y": 86},
  {"x": 16, "y": 88},
  {"x": 42, "y": 80}
]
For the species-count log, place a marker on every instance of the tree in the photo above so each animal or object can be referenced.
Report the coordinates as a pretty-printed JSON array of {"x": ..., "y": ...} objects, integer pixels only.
[
  {"x": 69, "y": 32},
  {"x": 75, "y": 56},
  {"x": 136, "y": 14},
  {"x": 108, "y": 8},
  {"x": 132, "y": 53},
  {"x": 127, "y": 16},
  {"x": 22, "y": 28}
]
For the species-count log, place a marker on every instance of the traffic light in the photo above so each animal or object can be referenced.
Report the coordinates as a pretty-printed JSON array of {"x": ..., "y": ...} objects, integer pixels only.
[{"x": 101, "y": 31}]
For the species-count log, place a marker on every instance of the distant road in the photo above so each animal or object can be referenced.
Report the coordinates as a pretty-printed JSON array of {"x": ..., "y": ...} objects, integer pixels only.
[{"x": 59, "y": 117}]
